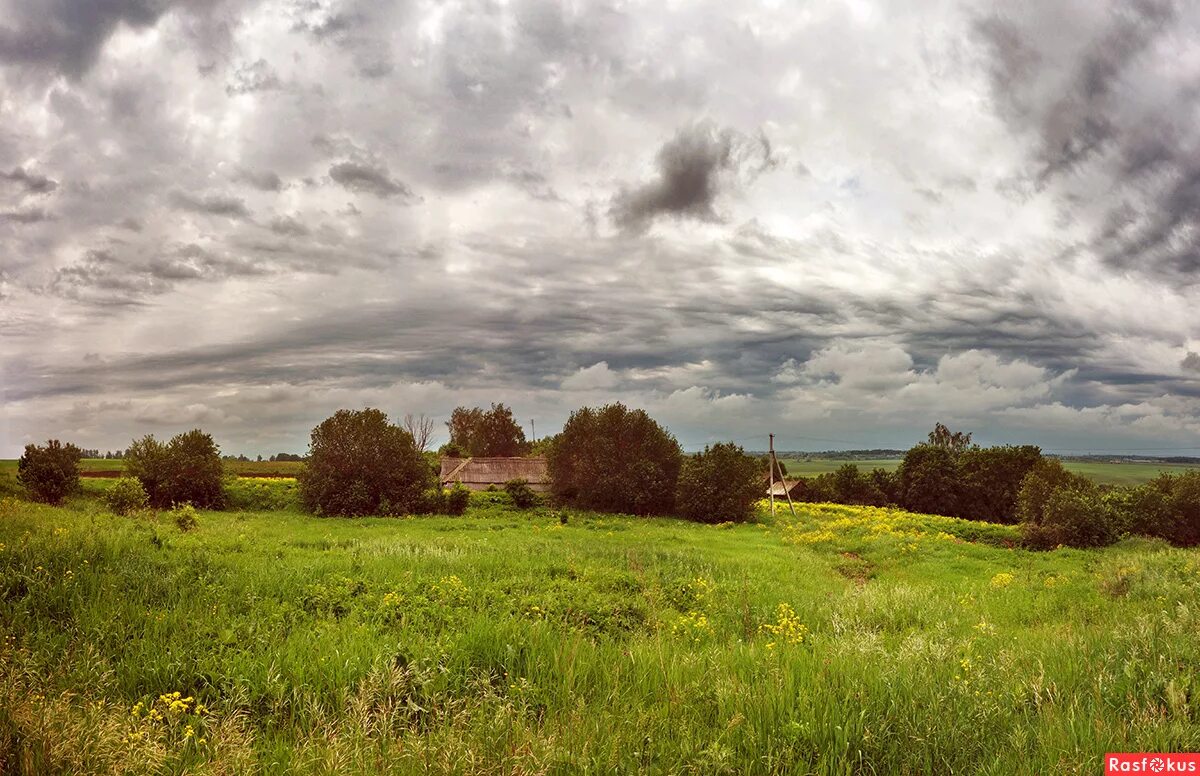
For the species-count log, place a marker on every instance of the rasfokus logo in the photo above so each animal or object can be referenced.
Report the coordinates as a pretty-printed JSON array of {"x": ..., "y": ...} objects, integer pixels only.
[{"x": 1151, "y": 762}]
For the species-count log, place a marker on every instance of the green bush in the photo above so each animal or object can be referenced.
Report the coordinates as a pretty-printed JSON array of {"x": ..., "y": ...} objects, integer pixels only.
[
  {"x": 523, "y": 496},
  {"x": 1072, "y": 517},
  {"x": 614, "y": 459},
  {"x": 990, "y": 479},
  {"x": 358, "y": 462},
  {"x": 720, "y": 484},
  {"x": 186, "y": 470},
  {"x": 457, "y": 499},
  {"x": 126, "y": 495},
  {"x": 50, "y": 473},
  {"x": 1169, "y": 508},
  {"x": 1045, "y": 478},
  {"x": 185, "y": 517}
]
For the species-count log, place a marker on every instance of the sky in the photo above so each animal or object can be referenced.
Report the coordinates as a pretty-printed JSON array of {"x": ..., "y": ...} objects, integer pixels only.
[{"x": 840, "y": 222}]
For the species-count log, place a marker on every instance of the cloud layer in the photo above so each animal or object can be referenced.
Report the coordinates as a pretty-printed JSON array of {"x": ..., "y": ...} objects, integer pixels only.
[{"x": 840, "y": 223}]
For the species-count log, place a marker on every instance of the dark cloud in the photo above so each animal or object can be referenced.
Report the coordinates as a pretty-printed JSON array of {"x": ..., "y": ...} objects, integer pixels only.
[
  {"x": 26, "y": 216},
  {"x": 1191, "y": 362},
  {"x": 693, "y": 168},
  {"x": 31, "y": 183},
  {"x": 211, "y": 204},
  {"x": 1116, "y": 106},
  {"x": 264, "y": 180},
  {"x": 369, "y": 178}
]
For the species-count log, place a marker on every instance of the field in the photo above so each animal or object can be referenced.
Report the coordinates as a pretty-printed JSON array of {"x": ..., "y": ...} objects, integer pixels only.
[
  {"x": 1104, "y": 472},
  {"x": 851, "y": 640},
  {"x": 93, "y": 467}
]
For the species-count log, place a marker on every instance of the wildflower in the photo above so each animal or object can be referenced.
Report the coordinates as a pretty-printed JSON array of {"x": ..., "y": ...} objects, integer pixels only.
[
  {"x": 1003, "y": 579},
  {"x": 786, "y": 628}
]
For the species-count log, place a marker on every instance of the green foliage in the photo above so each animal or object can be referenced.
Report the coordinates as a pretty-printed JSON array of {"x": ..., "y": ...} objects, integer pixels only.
[
  {"x": 1072, "y": 517},
  {"x": 481, "y": 434},
  {"x": 358, "y": 462},
  {"x": 614, "y": 459},
  {"x": 523, "y": 496},
  {"x": 929, "y": 480},
  {"x": 185, "y": 518},
  {"x": 126, "y": 495},
  {"x": 1047, "y": 476},
  {"x": 1168, "y": 507},
  {"x": 458, "y": 497},
  {"x": 989, "y": 480},
  {"x": 720, "y": 484},
  {"x": 953, "y": 442},
  {"x": 186, "y": 470},
  {"x": 50, "y": 473}
]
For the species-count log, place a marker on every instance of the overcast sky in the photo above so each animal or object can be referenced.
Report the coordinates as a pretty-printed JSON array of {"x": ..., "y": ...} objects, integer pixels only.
[{"x": 841, "y": 221}]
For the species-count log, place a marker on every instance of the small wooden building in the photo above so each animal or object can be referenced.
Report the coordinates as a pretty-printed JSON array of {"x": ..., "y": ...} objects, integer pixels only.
[{"x": 481, "y": 473}]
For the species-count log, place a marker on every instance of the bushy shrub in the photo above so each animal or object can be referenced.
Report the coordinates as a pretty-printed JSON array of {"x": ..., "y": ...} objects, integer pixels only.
[
  {"x": 185, "y": 517},
  {"x": 186, "y": 470},
  {"x": 614, "y": 459},
  {"x": 720, "y": 484},
  {"x": 457, "y": 499},
  {"x": 357, "y": 459},
  {"x": 1168, "y": 507},
  {"x": 1072, "y": 517},
  {"x": 126, "y": 495},
  {"x": 50, "y": 473},
  {"x": 523, "y": 496},
  {"x": 1045, "y": 478}
]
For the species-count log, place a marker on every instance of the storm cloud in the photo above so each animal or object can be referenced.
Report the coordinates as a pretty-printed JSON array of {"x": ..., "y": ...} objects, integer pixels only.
[{"x": 839, "y": 226}]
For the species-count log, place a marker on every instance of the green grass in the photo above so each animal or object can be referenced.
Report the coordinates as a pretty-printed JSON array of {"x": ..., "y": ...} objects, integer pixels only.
[
  {"x": 853, "y": 640},
  {"x": 239, "y": 468},
  {"x": 1104, "y": 472}
]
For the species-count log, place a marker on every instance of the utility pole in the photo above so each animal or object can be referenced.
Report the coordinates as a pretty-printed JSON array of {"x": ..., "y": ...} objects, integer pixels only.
[
  {"x": 782, "y": 480},
  {"x": 532, "y": 430}
]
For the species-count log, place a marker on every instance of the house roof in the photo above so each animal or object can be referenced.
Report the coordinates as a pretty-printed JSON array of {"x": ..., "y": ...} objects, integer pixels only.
[{"x": 493, "y": 471}]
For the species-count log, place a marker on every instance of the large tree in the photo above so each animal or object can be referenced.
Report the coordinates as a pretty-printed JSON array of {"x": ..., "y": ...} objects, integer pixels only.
[
  {"x": 721, "y": 484},
  {"x": 486, "y": 433},
  {"x": 615, "y": 459},
  {"x": 186, "y": 470},
  {"x": 50, "y": 473},
  {"x": 360, "y": 464}
]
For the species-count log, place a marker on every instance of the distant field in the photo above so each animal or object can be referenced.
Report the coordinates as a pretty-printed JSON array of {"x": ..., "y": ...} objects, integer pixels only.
[{"x": 1100, "y": 471}]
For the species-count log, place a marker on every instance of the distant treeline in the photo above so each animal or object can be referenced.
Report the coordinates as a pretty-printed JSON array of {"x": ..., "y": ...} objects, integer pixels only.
[{"x": 948, "y": 475}]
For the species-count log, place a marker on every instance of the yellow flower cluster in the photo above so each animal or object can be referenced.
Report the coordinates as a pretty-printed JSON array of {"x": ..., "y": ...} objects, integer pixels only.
[
  {"x": 451, "y": 590},
  {"x": 786, "y": 629},
  {"x": 693, "y": 626},
  {"x": 1002, "y": 580}
]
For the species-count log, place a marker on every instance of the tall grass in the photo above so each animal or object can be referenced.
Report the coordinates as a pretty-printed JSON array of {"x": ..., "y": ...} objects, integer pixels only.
[{"x": 508, "y": 642}]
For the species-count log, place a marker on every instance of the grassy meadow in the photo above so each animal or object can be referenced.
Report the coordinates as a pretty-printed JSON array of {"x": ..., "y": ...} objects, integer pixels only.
[{"x": 849, "y": 640}]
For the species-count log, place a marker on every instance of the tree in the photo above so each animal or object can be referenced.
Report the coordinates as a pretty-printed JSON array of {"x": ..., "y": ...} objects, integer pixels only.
[
  {"x": 720, "y": 484},
  {"x": 990, "y": 479},
  {"x": 50, "y": 473},
  {"x": 186, "y": 470},
  {"x": 615, "y": 459},
  {"x": 420, "y": 428},
  {"x": 360, "y": 464},
  {"x": 1047, "y": 476},
  {"x": 929, "y": 480},
  {"x": 480, "y": 434},
  {"x": 194, "y": 470},
  {"x": 1072, "y": 516},
  {"x": 955, "y": 442}
]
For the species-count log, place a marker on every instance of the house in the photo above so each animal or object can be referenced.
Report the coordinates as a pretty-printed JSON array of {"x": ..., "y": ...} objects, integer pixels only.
[
  {"x": 481, "y": 473},
  {"x": 781, "y": 489}
]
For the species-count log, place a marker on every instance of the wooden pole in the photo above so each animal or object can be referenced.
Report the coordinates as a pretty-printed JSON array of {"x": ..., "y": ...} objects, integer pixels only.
[
  {"x": 532, "y": 430},
  {"x": 771, "y": 467},
  {"x": 786, "y": 490}
]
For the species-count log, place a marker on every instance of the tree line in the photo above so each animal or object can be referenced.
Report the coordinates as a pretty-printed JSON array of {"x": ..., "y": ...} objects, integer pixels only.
[{"x": 616, "y": 459}]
